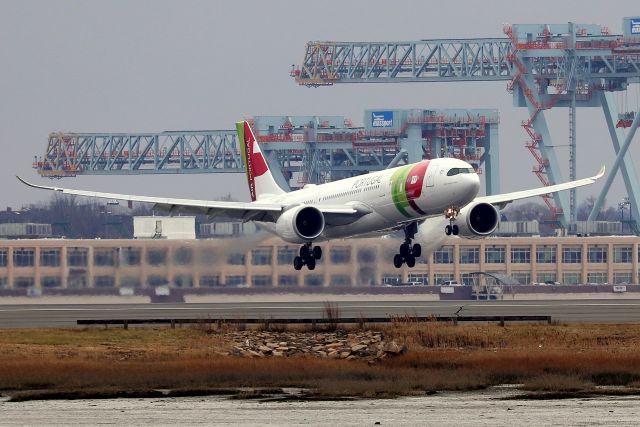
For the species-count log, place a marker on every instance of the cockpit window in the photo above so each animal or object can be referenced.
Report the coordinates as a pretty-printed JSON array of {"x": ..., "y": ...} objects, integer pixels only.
[{"x": 456, "y": 171}]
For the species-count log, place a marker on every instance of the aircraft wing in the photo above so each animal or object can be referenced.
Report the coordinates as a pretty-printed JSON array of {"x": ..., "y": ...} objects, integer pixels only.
[
  {"x": 504, "y": 199},
  {"x": 245, "y": 211}
]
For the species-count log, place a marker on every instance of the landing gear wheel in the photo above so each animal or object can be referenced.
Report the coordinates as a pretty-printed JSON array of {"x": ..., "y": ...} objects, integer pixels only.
[
  {"x": 411, "y": 261},
  {"x": 317, "y": 252},
  {"x": 455, "y": 230},
  {"x": 416, "y": 251},
  {"x": 398, "y": 260},
  {"x": 405, "y": 249},
  {"x": 311, "y": 263},
  {"x": 447, "y": 230},
  {"x": 298, "y": 263},
  {"x": 304, "y": 251}
]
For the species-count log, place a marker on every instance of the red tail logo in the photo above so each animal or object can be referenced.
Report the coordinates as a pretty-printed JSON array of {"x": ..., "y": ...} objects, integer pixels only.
[{"x": 256, "y": 164}]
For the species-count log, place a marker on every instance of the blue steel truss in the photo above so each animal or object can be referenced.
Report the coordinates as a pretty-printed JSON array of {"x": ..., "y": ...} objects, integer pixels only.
[
  {"x": 326, "y": 63},
  {"x": 70, "y": 154}
]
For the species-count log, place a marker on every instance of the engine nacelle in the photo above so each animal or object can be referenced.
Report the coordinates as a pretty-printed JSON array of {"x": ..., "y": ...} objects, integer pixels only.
[
  {"x": 477, "y": 220},
  {"x": 300, "y": 224}
]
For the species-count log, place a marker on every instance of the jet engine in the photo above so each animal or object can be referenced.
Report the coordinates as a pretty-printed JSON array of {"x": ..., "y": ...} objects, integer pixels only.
[
  {"x": 300, "y": 224},
  {"x": 477, "y": 220}
]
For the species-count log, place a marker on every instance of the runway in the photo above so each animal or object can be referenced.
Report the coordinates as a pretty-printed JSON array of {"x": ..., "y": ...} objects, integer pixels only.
[{"x": 60, "y": 315}]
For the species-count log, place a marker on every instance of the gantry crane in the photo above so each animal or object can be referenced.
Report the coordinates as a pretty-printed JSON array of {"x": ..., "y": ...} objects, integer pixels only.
[{"x": 546, "y": 66}]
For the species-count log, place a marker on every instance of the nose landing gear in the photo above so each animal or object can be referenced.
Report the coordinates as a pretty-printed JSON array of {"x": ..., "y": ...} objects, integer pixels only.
[
  {"x": 308, "y": 256},
  {"x": 451, "y": 214},
  {"x": 408, "y": 252}
]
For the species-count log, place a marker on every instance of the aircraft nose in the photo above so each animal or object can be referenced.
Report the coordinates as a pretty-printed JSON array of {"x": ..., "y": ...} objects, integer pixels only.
[{"x": 472, "y": 183}]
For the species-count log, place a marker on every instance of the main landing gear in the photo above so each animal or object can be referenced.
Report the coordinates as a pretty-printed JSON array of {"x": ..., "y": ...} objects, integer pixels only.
[
  {"x": 451, "y": 214},
  {"x": 308, "y": 256},
  {"x": 408, "y": 252}
]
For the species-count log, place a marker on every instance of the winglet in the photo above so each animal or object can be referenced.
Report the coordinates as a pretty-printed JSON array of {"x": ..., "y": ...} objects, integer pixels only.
[
  {"x": 41, "y": 187},
  {"x": 601, "y": 172}
]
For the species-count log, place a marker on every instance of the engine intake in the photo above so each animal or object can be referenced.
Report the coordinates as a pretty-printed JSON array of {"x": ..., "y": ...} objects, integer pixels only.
[
  {"x": 300, "y": 224},
  {"x": 478, "y": 220}
]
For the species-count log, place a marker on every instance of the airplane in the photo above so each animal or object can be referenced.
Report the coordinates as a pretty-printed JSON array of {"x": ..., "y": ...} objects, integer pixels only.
[{"x": 373, "y": 204}]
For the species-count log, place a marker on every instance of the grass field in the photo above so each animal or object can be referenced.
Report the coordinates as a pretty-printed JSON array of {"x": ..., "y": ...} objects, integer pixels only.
[{"x": 107, "y": 362}]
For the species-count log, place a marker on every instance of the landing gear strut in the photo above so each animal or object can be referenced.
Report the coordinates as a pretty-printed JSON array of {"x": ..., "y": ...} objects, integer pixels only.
[
  {"x": 408, "y": 252},
  {"x": 451, "y": 214},
  {"x": 308, "y": 256}
]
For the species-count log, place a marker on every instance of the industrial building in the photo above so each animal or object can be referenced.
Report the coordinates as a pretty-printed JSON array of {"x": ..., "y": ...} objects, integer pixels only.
[{"x": 84, "y": 264}]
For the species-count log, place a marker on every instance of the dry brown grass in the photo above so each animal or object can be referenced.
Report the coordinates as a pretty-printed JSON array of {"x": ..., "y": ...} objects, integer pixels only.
[{"x": 553, "y": 358}]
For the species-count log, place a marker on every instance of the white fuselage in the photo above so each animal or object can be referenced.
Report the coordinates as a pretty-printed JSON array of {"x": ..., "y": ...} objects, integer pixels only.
[{"x": 393, "y": 196}]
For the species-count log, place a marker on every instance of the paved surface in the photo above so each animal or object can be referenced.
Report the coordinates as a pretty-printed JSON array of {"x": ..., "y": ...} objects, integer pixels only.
[
  {"x": 60, "y": 315},
  {"x": 473, "y": 409}
]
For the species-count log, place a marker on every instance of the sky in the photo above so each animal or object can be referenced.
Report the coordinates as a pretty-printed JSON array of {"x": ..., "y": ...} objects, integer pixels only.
[{"x": 150, "y": 66}]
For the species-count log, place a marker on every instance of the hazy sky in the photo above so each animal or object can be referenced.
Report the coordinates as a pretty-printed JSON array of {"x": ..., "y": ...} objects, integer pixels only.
[{"x": 129, "y": 66}]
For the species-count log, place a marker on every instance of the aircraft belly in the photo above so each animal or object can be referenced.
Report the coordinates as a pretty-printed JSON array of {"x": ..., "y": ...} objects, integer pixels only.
[{"x": 368, "y": 223}]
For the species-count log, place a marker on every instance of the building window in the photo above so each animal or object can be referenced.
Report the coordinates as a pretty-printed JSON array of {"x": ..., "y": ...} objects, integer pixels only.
[
  {"x": 522, "y": 277},
  {"x": 23, "y": 282},
  {"x": 50, "y": 282},
  {"x": 623, "y": 254},
  {"x": 104, "y": 281},
  {"x": 494, "y": 254},
  {"x": 340, "y": 280},
  {"x": 546, "y": 254},
  {"x": 104, "y": 257},
  {"x": 470, "y": 255},
  {"x": 286, "y": 255},
  {"x": 340, "y": 254},
  {"x": 183, "y": 256},
  {"x": 23, "y": 257},
  {"x": 261, "y": 256},
  {"x": 236, "y": 281},
  {"x": 366, "y": 255},
  {"x": 154, "y": 281},
  {"x": 572, "y": 255},
  {"x": 313, "y": 280},
  {"x": 573, "y": 278},
  {"x": 156, "y": 256},
  {"x": 50, "y": 257},
  {"x": 4, "y": 282},
  {"x": 391, "y": 279},
  {"x": 444, "y": 255},
  {"x": 183, "y": 281},
  {"x": 134, "y": 281},
  {"x": 288, "y": 280},
  {"x": 521, "y": 255},
  {"x": 210, "y": 281},
  {"x": 547, "y": 277},
  {"x": 597, "y": 254},
  {"x": 77, "y": 257},
  {"x": 622, "y": 278},
  {"x": 469, "y": 279},
  {"x": 236, "y": 259},
  {"x": 4, "y": 255},
  {"x": 261, "y": 280},
  {"x": 421, "y": 278},
  {"x": 597, "y": 278},
  {"x": 131, "y": 256},
  {"x": 439, "y": 278}
]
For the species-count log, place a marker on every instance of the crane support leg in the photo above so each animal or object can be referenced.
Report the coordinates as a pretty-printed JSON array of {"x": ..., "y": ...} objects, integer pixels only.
[{"x": 622, "y": 162}]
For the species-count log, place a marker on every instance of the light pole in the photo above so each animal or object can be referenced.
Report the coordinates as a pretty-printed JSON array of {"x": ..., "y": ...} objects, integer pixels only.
[{"x": 622, "y": 206}]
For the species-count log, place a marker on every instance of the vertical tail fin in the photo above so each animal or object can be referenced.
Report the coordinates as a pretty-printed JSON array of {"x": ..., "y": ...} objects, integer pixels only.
[{"x": 261, "y": 182}]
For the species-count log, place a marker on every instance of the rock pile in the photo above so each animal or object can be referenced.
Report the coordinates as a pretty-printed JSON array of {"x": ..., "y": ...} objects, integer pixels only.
[{"x": 369, "y": 345}]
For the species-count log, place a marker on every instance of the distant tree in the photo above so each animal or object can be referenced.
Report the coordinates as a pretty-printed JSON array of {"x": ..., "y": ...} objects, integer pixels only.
[{"x": 527, "y": 211}]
